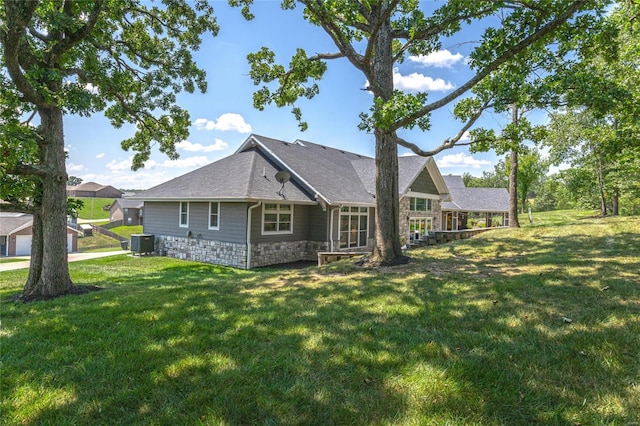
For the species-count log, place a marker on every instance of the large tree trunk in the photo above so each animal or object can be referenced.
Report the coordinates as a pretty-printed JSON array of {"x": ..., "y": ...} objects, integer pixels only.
[
  {"x": 387, "y": 216},
  {"x": 35, "y": 266},
  {"x": 513, "y": 176},
  {"x": 513, "y": 190},
  {"x": 50, "y": 227},
  {"x": 600, "y": 177},
  {"x": 387, "y": 248},
  {"x": 615, "y": 202}
]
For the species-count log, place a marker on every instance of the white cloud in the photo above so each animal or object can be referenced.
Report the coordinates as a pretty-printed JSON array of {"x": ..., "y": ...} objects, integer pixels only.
[
  {"x": 203, "y": 123},
  {"x": 141, "y": 179},
  {"x": 439, "y": 59},
  {"x": 415, "y": 82},
  {"x": 190, "y": 162},
  {"x": 461, "y": 160},
  {"x": 100, "y": 155},
  {"x": 115, "y": 166},
  {"x": 150, "y": 164},
  {"x": 219, "y": 145},
  {"x": 91, "y": 89},
  {"x": 227, "y": 121},
  {"x": 75, "y": 167}
]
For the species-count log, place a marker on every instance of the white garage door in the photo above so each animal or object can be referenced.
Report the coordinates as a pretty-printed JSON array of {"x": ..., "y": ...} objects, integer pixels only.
[{"x": 23, "y": 244}]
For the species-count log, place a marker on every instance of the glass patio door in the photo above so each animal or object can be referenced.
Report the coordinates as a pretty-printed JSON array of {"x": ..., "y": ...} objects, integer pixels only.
[{"x": 419, "y": 227}]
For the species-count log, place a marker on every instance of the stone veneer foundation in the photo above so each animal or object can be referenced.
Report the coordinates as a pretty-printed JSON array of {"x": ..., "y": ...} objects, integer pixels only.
[
  {"x": 263, "y": 254},
  {"x": 216, "y": 252},
  {"x": 234, "y": 254}
]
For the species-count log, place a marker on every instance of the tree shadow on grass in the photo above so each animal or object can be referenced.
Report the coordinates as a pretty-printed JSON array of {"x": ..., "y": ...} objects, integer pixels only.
[{"x": 475, "y": 341}]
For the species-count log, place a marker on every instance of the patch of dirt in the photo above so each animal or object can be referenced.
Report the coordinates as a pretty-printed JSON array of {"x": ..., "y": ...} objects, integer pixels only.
[
  {"x": 75, "y": 290},
  {"x": 301, "y": 264}
]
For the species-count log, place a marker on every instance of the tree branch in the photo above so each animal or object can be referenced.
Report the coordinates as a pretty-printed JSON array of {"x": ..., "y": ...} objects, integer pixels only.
[
  {"x": 431, "y": 31},
  {"x": 18, "y": 15},
  {"x": 504, "y": 57},
  {"x": 328, "y": 56},
  {"x": 21, "y": 169},
  {"x": 16, "y": 207},
  {"x": 317, "y": 8},
  {"x": 38, "y": 35},
  {"x": 449, "y": 142},
  {"x": 70, "y": 39}
]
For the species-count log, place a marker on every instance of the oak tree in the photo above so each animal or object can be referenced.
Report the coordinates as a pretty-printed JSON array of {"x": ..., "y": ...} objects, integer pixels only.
[
  {"x": 375, "y": 36},
  {"x": 128, "y": 58}
]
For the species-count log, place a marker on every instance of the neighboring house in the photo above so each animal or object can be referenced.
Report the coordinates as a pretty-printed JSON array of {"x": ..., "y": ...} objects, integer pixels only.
[
  {"x": 275, "y": 202},
  {"x": 487, "y": 206},
  {"x": 16, "y": 233},
  {"x": 93, "y": 190},
  {"x": 126, "y": 211}
]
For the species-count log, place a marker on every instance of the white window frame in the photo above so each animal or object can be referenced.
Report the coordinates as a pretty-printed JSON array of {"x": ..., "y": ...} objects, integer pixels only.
[
  {"x": 428, "y": 226},
  {"x": 278, "y": 212},
  {"x": 217, "y": 227},
  {"x": 180, "y": 224},
  {"x": 349, "y": 213},
  {"x": 428, "y": 204}
]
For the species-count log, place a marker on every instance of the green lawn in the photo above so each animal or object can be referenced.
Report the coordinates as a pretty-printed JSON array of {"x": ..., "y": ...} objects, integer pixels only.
[
  {"x": 93, "y": 208},
  {"x": 96, "y": 243},
  {"x": 127, "y": 230},
  {"x": 12, "y": 259},
  {"x": 539, "y": 325}
]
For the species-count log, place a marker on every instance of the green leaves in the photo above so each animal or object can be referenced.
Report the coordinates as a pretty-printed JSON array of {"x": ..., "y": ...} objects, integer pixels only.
[
  {"x": 298, "y": 81},
  {"x": 385, "y": 114}
]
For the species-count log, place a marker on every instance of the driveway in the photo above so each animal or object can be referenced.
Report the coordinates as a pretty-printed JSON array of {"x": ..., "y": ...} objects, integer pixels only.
[{"x": 73, "y": 257}]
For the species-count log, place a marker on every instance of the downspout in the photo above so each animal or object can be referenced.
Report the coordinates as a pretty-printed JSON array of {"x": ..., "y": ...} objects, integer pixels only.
[
  {"x": 249, "y": 232},
  {"x": 331, "y": 225}
]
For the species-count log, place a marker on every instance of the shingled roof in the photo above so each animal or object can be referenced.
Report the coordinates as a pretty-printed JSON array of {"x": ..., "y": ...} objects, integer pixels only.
[
  {"x": 474, "y": 199},
  {"x": 13, "y": 222},
  {"x": 239, "y": 177},
  {"x": 318, "y": 173}
]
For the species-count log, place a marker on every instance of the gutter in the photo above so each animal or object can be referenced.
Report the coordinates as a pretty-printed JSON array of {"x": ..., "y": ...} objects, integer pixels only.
[{"x": 258, "y": 204}]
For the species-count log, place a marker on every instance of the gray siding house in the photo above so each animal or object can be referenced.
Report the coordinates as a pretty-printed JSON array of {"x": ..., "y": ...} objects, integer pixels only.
[
  {"x": 276, "y": 202},
  {"x": 126, "y": 212}
]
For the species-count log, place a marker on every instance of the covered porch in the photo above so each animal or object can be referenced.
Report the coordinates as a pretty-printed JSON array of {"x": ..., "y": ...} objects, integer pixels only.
[{"x": 457, "y": 220}]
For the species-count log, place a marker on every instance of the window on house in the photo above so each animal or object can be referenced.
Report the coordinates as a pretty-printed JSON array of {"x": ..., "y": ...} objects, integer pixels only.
[
  {"x": 126, "y": 211},
  {"x": 214, "y": 215},
  {"x": 354, "y": 227},
  {"x": 277, "y": 218},
  {"x": 129, "y": 221},
  {"x": 184, "y": 214},
  {"x": 420, "y": 204}
]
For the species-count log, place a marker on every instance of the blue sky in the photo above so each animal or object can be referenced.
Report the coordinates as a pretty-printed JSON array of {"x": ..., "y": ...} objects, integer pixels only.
[{"x": 224, "y": 117}]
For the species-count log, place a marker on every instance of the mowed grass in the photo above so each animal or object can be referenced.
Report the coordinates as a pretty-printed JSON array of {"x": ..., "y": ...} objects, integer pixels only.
[
  {"x": 93, "y": 208},
  {"x": 127, "y": 230},
  {"x": 539, "y": 325},
  {"x": 97, "y": 243}
]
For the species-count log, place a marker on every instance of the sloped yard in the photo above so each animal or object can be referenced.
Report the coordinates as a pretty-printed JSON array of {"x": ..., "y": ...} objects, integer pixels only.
[{"x": 537, "y": 325}]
